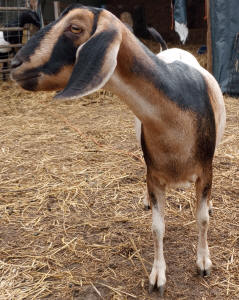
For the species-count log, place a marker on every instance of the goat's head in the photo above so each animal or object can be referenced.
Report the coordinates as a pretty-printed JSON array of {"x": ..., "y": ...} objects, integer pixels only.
[
  {"x": 29, "y": 17},
  {"x": 77, "y": 52}
]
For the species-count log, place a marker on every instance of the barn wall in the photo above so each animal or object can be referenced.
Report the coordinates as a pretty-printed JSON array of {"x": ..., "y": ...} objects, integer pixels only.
[{"x": 159, "y": 15}]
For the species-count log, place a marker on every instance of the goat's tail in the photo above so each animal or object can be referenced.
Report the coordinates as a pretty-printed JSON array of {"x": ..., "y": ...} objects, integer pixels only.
[{"x": 157, "y": 37}]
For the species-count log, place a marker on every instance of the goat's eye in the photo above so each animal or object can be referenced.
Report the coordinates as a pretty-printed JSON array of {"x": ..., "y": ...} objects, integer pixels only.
[{"x": 75, "y": 29}]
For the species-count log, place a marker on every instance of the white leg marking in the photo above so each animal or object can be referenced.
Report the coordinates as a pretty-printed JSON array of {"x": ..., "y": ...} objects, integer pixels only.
[
  {"x": 203, "y": 256},
  {"x": 210, "y": 209},
  {"x": 146, "y": 199},
  {"x": 137, "y": 126},
  {"x": 157, "y": 276}
]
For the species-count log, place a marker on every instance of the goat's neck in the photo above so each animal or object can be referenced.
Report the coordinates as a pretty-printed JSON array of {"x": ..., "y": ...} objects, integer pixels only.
[{"x": 131, "y": 83}]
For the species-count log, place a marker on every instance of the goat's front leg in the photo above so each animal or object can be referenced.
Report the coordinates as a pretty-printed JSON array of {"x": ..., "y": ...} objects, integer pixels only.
[
  {"x": 157, "y": 198},
  {"x": 203, "y": 193},
  {"x": 146, "y": 200}
]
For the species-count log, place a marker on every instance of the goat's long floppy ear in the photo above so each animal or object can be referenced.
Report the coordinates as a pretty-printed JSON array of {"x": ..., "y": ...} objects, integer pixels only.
[{"x": 95, "y": 63}]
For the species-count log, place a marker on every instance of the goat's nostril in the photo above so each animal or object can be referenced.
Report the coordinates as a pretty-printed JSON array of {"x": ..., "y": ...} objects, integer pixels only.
[{"x": 16, "y": 62}]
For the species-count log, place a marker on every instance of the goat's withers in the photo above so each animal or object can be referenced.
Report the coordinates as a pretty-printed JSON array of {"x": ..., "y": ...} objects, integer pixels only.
[{"x": 179, "y": 104}]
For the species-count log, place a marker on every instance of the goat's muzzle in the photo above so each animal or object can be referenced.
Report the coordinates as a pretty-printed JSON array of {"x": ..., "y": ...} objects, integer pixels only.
[{"x": 16, "y": 62}]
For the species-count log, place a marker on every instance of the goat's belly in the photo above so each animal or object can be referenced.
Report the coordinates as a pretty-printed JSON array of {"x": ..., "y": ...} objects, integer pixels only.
[{"x": 184, "y": 183}]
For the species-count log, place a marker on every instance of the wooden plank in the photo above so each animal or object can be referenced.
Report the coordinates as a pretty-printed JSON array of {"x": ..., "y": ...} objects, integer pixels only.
[
  {"x": 11, "y": 28},
  {"x": 11, "y": 46},
  {"x": 209, "y": 38},
  {"x": 5, "y": 71},
  {"x": 5, "y": 60},
  {"x": 56, "y": 9},
  {"x": 4, "y": 8}
]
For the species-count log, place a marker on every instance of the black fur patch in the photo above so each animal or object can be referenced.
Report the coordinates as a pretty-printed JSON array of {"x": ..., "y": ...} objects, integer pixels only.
[
  {"x": 206, "y": 137},
  {"x": 206, "y": 190},
  {"x": 94, "y": 10},
  {"x": 63, "y": 54},
  {"x": 185, "y": 86},
  {"x": 180, "y": 82},
  {"x": 153, "y": 199},
  {"x": 88, "y": 67},
  {"x": 30, "y": 84},
  {"x": 29, "y": 49},
  {"x": 144, "y": 148}
]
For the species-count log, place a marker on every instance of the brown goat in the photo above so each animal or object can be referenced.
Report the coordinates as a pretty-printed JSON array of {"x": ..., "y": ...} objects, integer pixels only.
[{"x": 180, "y": 106}]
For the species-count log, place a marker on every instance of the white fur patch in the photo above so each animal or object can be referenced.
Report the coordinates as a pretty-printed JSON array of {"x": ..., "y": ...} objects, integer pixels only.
[
  {"x": 157, "y": 274},
  {"x": 3, "y": 42},
  {"x": 182, "y": 31},
  {"x": 137, "y": 126},
  {"x": 203, "y": 255},
  {"x": 174, "y": 54},
  {"x": 137, "y": 102}
]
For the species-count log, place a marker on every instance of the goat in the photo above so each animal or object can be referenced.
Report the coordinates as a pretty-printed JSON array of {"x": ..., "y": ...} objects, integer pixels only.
[
  {"x": 126, "y": 18},
  {"x": 15, "y": 37},
  {"x": 142, "y": 30},
  {"x": 180, "y": 106}
]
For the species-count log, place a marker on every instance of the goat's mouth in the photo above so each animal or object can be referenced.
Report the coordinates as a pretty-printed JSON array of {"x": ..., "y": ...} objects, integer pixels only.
[
  {"x": 22, "y": 78},
  {"x": 26, "y": 81}
]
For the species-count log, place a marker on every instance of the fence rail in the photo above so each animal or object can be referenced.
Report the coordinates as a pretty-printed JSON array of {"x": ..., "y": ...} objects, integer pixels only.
[
  {"x": 6, "y": 71},
  {"x": 7, "y": 10},
  {"x": 5, "y": 60},
  {"x": 11, "y": 28},
  {"x": 4, "y": 8},
  {"x": 11, "y": 46}
]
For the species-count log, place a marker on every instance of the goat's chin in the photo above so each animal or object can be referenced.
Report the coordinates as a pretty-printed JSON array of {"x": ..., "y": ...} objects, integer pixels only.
[
  {"x": 29, "y": 84},
  {"x": 51, "y": 82}
]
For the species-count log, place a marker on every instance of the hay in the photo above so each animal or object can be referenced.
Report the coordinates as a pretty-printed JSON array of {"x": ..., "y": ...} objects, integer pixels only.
[{"x": 71, "y": 216}]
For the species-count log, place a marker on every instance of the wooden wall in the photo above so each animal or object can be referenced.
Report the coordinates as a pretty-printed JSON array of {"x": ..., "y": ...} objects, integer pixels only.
[{"x": 159, "y": 15}]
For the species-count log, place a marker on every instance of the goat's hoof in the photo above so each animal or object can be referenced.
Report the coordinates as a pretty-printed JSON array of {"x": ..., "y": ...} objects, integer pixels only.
[
  {"x": 161, "y": 289},
  {"x": 210, "y": 211},
  {"x": 147, "y": 207},
  {"x": 204, "y": 272}
]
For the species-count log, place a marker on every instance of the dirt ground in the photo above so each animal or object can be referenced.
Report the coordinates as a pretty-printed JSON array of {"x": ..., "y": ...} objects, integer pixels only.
[{"x": 71, "y": 214}]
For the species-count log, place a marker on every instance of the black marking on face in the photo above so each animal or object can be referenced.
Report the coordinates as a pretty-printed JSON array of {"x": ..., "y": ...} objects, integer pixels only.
[
  {"x": 87, "y": 72},
  {"x": 29, "y": 49},
  {"x": 63, "y": 54}
]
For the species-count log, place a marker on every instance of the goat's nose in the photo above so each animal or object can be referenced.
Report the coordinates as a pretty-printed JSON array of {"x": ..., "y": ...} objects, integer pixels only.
[{"x": 16, "y": 62}]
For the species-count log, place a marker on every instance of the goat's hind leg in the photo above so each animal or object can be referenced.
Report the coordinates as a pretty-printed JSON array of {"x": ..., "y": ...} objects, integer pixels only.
[
  {"x": 157, "y": 198},
  {"x": 203, "y": 193}
]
